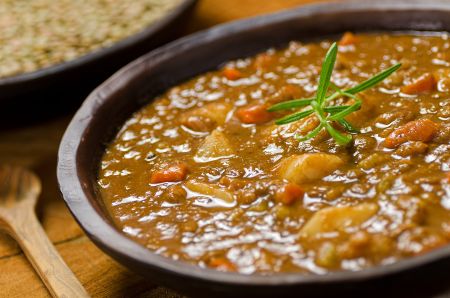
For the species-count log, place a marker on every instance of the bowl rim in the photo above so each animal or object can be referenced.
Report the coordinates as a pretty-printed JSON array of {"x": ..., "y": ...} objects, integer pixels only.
[
  {"x": 115, "y": 242},
  {"x": 146, "y": 32}
]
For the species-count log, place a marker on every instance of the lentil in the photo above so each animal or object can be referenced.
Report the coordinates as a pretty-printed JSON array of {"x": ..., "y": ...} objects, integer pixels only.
[{"x": 41, "y": 33}]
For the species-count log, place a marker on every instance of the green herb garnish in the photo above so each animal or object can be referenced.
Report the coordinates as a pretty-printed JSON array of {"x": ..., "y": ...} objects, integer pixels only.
[{"x": 329, "y": 115}]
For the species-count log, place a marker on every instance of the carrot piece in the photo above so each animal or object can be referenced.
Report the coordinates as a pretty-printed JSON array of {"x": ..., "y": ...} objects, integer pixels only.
[
  {"x": 232, "y": 73},
  {"x": 418, "y": 130},
  {"x": 425, "y": 83},
  {"x": 289, "y": 194},
  {"x": 448, "y": 177},
  {"x": 286, "y": 92},
  {"x": 172, "y": 173},
  {"x": 347, "y": 39},
  {"x": 263, "y": 61},
  {"x": 254, "y": 114},
  {"x": 222, "y": 264}
]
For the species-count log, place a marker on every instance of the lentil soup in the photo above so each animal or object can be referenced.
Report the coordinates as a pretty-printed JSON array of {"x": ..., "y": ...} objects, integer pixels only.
[{"x": 203, "y": 174}]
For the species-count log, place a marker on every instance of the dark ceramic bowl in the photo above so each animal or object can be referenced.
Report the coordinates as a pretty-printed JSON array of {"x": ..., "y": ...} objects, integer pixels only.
[
  {"x": 57, "y": 85},
  {"x": 108, "y": 106}
]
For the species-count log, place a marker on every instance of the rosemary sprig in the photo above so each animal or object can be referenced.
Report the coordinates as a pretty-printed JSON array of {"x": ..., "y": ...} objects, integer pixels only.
[{"x": 328, "y": 115}]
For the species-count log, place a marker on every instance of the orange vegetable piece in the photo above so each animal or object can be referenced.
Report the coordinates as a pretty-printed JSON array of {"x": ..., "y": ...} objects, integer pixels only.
[
  {"x": 254, "y": 114},
  {"x": 286, "y": 92},
  {"x": 263, "y": 61},
  {"x": 418, "y": 130},
  {"x": 347, "y": 39},
  {"x": 425, "y": 83},
  {"x": 448, "y": 177},
  {"x": 289, "y": 194},
  {"x": 222, "y": 264},
  {"x": 172, "y": 173},
  {"x": 232, "y": 73}
]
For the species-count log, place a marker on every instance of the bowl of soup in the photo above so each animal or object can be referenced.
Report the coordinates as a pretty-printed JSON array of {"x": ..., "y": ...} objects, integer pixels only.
[{"x": 180, "y": 167}]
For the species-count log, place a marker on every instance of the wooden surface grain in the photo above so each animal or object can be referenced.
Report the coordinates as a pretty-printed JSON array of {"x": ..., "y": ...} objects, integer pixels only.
[
  {"x": 36, "y": 147},
  {"x": 19, "y": 193}
]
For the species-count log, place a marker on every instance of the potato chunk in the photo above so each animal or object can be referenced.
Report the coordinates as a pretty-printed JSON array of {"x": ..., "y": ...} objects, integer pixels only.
[
  {"x": 275, "y": 132},
  {"x": 308, "y": 167},
  {"x": 210, "y": 190},
  {"x": 214, "y": 147},
  {"x": 206, "y": 118},
  {"x": 333, "y": 219}
]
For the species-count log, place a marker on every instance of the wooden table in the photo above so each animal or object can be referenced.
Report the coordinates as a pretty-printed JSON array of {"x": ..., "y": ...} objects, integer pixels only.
[{"x": 36, "y": 147}]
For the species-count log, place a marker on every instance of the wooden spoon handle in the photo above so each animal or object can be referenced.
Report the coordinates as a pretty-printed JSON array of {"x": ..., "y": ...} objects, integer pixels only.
[{"x": 52, "y": 269}]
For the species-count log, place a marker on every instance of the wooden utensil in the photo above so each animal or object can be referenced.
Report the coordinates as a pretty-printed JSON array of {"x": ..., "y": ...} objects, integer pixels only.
[{"x": 19, "y": 190}]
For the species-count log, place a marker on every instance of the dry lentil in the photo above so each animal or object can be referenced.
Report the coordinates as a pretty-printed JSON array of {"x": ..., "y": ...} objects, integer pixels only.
[{"x": 40, "y": 33}]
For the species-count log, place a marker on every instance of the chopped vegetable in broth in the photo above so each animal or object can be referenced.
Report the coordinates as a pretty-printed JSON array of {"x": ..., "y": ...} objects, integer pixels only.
[{"x": 203, "y": 174}]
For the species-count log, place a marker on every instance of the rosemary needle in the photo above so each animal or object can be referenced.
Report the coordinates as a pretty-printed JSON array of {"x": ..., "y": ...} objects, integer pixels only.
[{"x": 318, "y": 105}]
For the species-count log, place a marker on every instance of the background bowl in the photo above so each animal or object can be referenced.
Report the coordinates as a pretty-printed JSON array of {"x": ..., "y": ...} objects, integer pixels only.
[
  {"x": 61, "y": 86},
  {"x": 112, "y": 103}
]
